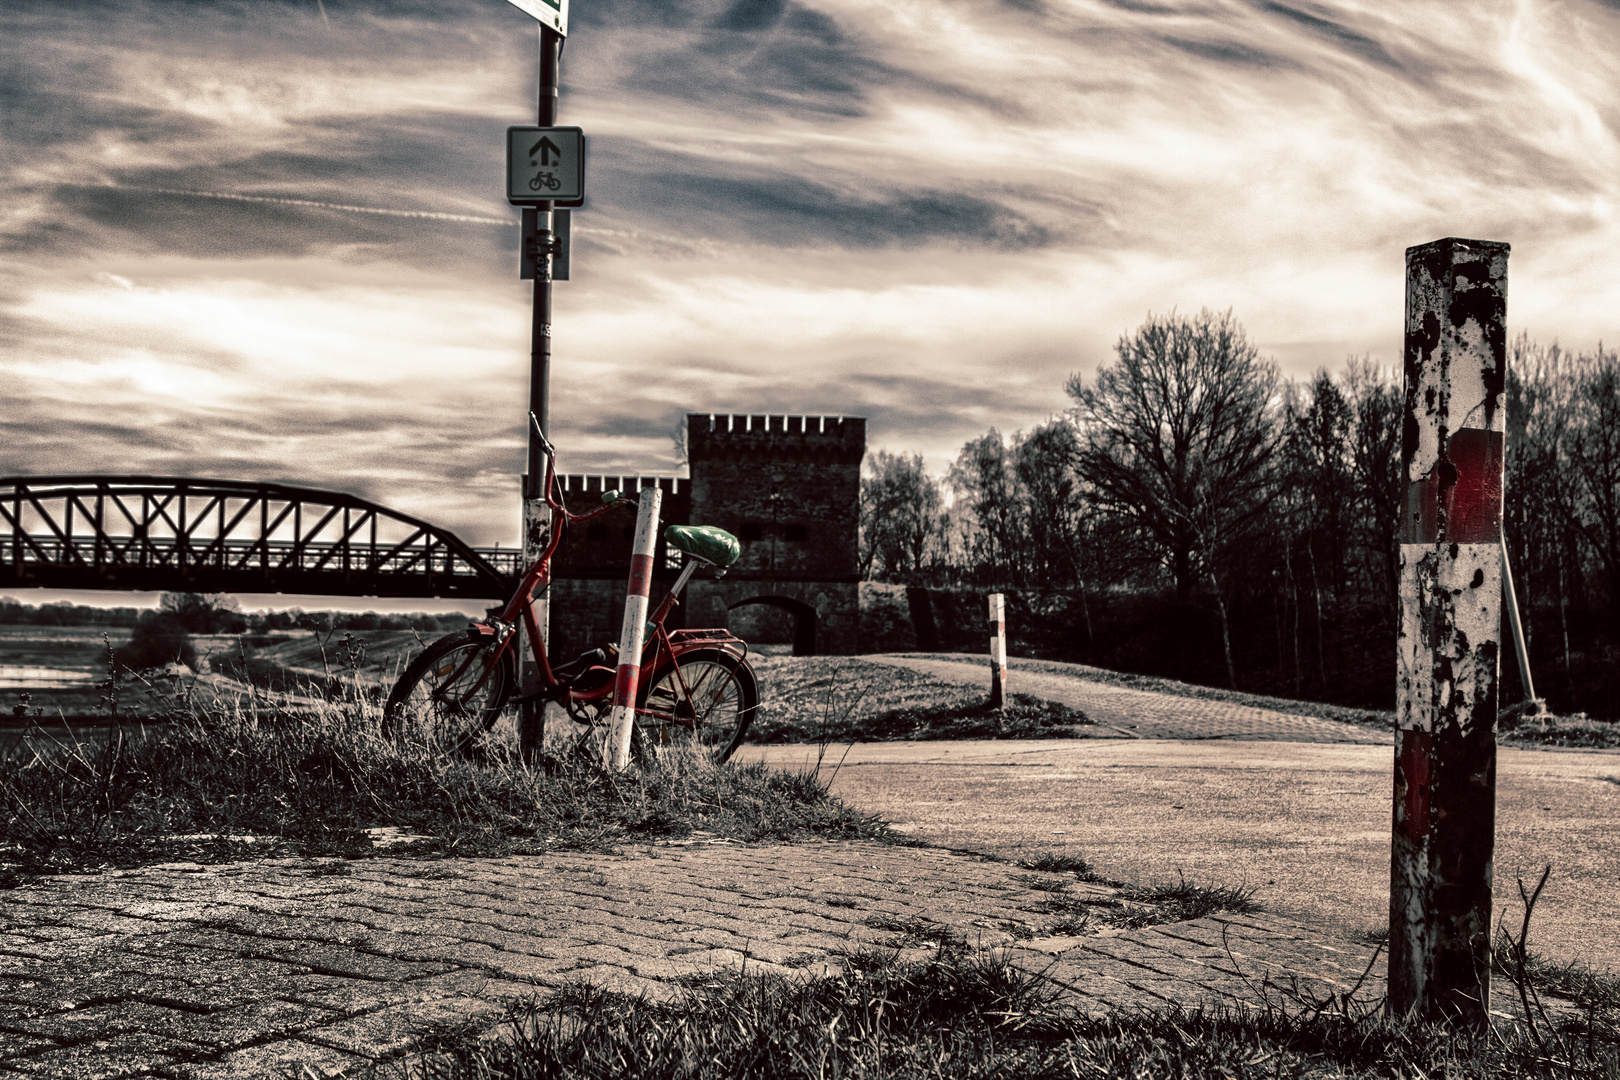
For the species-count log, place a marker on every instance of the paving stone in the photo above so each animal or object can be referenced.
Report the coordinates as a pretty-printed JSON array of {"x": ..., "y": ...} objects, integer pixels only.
[
  {"x": 283, "y": 1058},
  {"x": 224, "y": 1029},
  {"x": 521, "y": 966},
  {"x": 107, "y": 922},
  {"x": 105, "y": 1059},
  {"x": 55, "y": 932},
  {"x": 619, "y": 980},
  {"x": 15, "y": 1044},
  {"x": 388, "y": 1031},
  {"x": 810, "y": 941}
]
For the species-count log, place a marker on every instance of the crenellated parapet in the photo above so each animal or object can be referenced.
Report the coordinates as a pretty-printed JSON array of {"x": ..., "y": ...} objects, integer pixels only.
[
  {"x": 788, "y": 487},
  {"x": 775, "y": 437}
]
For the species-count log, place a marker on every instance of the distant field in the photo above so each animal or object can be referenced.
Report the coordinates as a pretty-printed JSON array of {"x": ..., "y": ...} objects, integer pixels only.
[{"x": 69, "y": 648}]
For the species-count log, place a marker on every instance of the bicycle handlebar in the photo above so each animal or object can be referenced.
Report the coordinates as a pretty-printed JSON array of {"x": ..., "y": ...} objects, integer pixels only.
[
  {"x": 545, "y": 443},
  {"x": 552, "y": 501}
]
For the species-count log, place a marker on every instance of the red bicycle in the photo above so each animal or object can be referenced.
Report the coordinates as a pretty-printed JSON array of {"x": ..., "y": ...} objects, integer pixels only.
[{"x": 696, "y": 686}]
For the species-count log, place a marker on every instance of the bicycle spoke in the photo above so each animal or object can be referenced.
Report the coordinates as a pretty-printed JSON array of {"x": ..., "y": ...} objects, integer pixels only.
[
  {"x": 707, "y": 700},
  {"x": 451, "y": 694}
]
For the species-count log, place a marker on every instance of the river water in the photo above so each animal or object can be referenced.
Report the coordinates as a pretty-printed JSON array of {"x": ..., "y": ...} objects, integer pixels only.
[{"x": 17, "y": 677}]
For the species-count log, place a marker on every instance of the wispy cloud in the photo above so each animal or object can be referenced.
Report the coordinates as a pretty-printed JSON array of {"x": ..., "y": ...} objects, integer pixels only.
[{"x": 268, "y": 239}]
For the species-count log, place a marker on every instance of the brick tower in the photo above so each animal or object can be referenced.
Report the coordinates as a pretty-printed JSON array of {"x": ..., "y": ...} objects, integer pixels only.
[{"x": 789, "y": 487}]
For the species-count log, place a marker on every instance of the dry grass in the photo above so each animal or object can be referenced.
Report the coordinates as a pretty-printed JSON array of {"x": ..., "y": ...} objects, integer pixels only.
[
  {"x": 969, "y": 1014},
  {"x": 846, "y": 699},
  {"x": 311, "y": 779}
]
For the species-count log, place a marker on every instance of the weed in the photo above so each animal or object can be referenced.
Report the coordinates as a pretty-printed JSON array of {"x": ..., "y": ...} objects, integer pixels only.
[
  {"x": 1041, "y": 884},
  {"x": 331, "y": 869},
  {"x": 1156, "y": 904},
  {"x": 1073, "y": 925},
  {"x": 1140, "y": 906},
  {"x": 1060, "y": 864},
  {"x": 1066, "y": 904},
  {"x": 915, "y": 932},
  {"x": 843, "y": 902},
  {"x": 799, "y": 961},
  {"x": 840, "y": 699}
]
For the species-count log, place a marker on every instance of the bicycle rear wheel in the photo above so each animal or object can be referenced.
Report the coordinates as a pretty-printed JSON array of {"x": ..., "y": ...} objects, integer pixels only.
[
  {"x": 707, "y": 699},
  {"x": 450, "y": 694}
]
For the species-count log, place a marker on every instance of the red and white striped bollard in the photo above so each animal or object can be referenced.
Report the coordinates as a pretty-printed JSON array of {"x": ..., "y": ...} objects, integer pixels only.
[
  {"x": 616, "y": 752},
  {"x": 998, "y": 651}
]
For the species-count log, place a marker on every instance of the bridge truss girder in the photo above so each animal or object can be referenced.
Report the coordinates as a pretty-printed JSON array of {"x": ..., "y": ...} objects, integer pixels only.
[{"x": 192, "y": 535}]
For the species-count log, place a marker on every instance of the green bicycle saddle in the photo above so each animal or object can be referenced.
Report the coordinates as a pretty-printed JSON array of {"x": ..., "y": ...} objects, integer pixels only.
[{"x": 706, "y": 542}]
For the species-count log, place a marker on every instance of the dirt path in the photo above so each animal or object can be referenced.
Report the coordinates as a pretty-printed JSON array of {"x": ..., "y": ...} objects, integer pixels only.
[{"x": 1146, "y": 714}]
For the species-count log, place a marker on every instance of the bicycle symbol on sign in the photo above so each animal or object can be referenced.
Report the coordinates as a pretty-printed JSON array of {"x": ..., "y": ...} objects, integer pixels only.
[{"x": 545, "y": 180}]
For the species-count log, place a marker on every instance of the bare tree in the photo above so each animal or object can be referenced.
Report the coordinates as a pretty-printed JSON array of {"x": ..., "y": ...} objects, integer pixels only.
[
  {"x": 985, "y": 485},
  {"x": 900, "y": 510},
  {"x": 1593, "y": 445},
  {"x": 204, "y": 613},
  {"x": 1376, "y": 406},
  {"x": 1054, "y": 502},
  {"x": 1178, "y": 436}
]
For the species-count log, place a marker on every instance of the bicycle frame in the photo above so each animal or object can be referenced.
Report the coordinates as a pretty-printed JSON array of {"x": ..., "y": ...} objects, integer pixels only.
[{"x": 663, "y": 644}]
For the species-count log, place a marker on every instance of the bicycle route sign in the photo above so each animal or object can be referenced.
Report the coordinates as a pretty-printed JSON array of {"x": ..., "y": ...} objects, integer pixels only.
[
  {"x": 552, "y": 13},
  {"x": 545, "y": 164}
]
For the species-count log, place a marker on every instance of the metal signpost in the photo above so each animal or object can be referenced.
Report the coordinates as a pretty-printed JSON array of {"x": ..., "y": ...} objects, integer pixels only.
[
  {"x": 1448, "y": 641},
  {"x": 545, "y": 165}
]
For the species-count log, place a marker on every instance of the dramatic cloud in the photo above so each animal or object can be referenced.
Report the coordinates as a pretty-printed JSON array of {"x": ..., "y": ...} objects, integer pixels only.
[{"x": 250, "y": 240}]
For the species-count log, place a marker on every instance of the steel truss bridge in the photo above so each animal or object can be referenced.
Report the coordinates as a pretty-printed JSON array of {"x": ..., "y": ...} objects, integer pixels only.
[{"x": 187, "y": 535}]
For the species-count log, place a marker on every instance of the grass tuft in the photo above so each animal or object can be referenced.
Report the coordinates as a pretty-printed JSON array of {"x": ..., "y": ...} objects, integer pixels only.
[
  {"x": 225, "y": 782},
  {"x": 1053, "y": 863},
  {"x": 967, "y": 1014},
  {"x": 915, "y": 932}
]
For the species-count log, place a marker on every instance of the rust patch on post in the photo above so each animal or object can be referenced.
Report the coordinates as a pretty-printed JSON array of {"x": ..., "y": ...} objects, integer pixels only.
[{"x": 1412, "y": 785}]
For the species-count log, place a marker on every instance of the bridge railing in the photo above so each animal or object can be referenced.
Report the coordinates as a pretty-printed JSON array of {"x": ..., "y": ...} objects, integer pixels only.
[{"x": 251, "y": 555}]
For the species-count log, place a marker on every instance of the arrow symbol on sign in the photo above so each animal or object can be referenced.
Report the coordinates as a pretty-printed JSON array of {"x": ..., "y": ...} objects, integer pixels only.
[{"x": 547, "y": 149}]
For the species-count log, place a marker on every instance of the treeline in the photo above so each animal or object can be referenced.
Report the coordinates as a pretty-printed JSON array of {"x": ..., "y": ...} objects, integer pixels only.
[
  {"x": 13, "y": 613},
  {"x": 217, "y": 613},
  {"x": 1196, "y": 515}
]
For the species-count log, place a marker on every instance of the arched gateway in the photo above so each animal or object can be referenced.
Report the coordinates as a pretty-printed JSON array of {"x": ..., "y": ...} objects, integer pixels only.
[{"x": 804, "y": 620}]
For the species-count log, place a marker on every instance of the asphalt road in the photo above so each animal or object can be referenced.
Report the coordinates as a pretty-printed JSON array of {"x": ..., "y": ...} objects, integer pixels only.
[{"x": 1307, "y": 825}]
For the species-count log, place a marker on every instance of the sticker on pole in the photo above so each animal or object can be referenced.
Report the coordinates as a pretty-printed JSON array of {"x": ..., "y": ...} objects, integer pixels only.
[
  {"x": 552, "y": 13},
  {"x": 545, "y": 164}
]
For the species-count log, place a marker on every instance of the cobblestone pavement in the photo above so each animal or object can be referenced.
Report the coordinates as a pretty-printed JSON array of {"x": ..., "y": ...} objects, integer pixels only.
[
  {"x": 321, "y": 968},
  {"x": 326, "y": 966},
  {"x": 1146, "y": 714}
]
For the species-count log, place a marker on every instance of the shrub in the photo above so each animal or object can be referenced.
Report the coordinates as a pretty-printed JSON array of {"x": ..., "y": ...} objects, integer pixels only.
[{"x": 159, "y": 639}]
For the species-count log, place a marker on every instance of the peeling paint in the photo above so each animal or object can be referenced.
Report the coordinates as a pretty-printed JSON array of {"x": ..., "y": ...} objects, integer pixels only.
[
  {"x": 536, "y": 528},
  {"x": 1450, "y": 616}
]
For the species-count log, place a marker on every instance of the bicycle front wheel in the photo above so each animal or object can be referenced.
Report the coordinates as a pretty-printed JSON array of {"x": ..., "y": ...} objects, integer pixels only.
[
  {"x": 450, "y": 694},
  {"x": 706, "y": 698}
]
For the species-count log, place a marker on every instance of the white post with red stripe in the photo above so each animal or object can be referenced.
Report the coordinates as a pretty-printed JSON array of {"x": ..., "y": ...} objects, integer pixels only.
[
  {"x": 616, "y": 752},
  {"x": 998, "y": 651},
  {"x": 1449, "y": 633}
]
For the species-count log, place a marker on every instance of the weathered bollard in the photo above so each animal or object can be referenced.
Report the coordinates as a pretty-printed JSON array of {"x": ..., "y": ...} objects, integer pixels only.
[
  {"x": 633, "y": 632},
  {"x": 998, "y": 651},
  {"x": 1448, "y": 632}
]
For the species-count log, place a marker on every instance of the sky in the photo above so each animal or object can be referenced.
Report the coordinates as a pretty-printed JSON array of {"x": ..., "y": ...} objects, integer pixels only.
[{"x": 268, "y": 240}]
